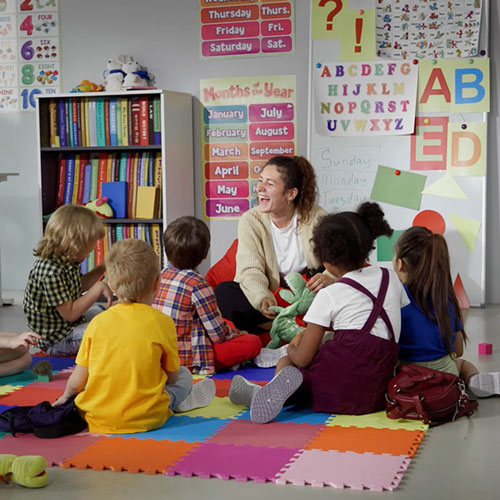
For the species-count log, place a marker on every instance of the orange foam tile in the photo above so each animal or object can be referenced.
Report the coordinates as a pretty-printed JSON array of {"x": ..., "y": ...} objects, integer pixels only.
[
  {"x": 368, "y": 440},
  {"x": 30, "y": 396},
  {"x": 132, "y": 455}
]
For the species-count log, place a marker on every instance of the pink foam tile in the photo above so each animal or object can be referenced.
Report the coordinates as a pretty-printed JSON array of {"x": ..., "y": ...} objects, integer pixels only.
[
  {"x": 274, "y": 434},
  {"x": 55, "y": 451},
  {"x": 226, "y": 461},
  {"x": 345, "y": 469},
  {"x": 58, "y": 381}
]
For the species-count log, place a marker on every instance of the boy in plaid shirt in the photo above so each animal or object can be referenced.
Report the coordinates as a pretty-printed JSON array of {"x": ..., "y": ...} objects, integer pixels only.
[{"x": 204, "y": 340}]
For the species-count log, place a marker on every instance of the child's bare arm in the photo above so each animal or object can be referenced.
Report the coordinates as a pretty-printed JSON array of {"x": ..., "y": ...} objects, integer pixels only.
[
  {"x": 15, "y": 340},
  {"x": 91, "y": 277},
  {"x": 74, "y": 385},
  {"x": 459, "y": 344},
  {"x": 73, "y": 309},
  {"x": 303, "y": 351}
]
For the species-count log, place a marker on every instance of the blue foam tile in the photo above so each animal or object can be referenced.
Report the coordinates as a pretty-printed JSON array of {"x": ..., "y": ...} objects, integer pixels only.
[
  {"x": 56, "y": 363},
  {"x": 182, "y": 428},
  {"x": 23, "y": 378},
  {"x": 5, "y": 407},
  {"x": 293, "y": 415},
  {"x": 254, "y": 374}
]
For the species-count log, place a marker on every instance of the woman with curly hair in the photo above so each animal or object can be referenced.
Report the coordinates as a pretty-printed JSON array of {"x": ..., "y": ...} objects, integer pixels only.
[
  {"x": 350, "y": 372},
  {"x": 273, "y": 240}
]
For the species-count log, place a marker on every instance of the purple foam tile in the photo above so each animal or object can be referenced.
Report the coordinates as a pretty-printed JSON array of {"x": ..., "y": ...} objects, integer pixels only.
[
  {"x": 57, "y": 363},
  {"x": 345, "y": 469},
  {"x": 254, "y": 374},
  {"x": 226, "y": 461},
  {"x": 55, "y": 451},
  {"x": 274, "y": 434}
]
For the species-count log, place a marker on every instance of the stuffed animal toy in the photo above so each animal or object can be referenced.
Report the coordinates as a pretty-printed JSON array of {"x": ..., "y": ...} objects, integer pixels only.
[
  {"x": 43, "y": 371},
  {"x": 28, "y": 470},
  {"x": 113, "y": 74},
  {"x": 135, "y": 75},
  {"x": 285, "y": 326},
  {"x": 87, "y": 86},
  {"x": 101, "y": 207}
]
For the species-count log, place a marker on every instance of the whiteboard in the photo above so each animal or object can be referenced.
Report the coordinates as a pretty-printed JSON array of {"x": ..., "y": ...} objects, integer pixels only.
[{"x": 346, "y": 169}]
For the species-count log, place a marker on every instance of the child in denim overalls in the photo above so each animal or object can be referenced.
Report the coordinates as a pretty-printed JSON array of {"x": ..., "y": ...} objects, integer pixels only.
[{"x": 348, "y": 374}]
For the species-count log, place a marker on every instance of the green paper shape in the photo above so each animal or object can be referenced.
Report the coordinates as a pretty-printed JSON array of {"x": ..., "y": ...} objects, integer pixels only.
[
  {"x": 385, "y": 246},
  {"x": 403, "y": 190}
]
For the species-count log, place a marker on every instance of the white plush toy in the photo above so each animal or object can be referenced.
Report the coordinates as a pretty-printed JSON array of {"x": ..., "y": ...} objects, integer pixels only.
[
  {"x": 114, "y": 75},
  {"x": 135, "y": 75}
]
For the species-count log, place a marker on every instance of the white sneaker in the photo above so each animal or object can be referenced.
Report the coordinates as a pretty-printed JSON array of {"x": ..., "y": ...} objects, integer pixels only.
[
  {"x": 484, "y": 385},
  {"x": 201, "y": 395},
  {"x": 269, "y": 357},
  {"x": 241, "y": 390},
  {"x": 268, "y": 401}
]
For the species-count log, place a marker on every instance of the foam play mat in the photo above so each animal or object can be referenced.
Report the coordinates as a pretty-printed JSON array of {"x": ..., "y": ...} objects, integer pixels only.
[{"x": 300, "y": 447}]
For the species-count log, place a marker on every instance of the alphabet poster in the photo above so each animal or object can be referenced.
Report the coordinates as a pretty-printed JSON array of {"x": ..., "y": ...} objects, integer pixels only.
[
  {"x": 244, "y": 122},
  {"x": 434, "y": 175},
  {"x": 243, "y": 28},
  {"x": 29, "y": 52}
]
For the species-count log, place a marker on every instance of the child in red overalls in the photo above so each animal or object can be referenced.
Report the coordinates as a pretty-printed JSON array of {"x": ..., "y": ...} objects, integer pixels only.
[{"x": 348, "y": 374}]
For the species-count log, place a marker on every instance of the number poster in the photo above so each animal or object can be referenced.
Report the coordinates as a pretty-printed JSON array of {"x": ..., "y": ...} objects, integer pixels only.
[
  {"x": 244, "y": 122},
  {"x": 29, "y": 52}
]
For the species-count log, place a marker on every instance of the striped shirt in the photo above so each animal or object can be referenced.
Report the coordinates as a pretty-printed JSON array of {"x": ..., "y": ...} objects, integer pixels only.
[
  {"x": 189, "y": 300},
  {"x": 51, "y": 282}
]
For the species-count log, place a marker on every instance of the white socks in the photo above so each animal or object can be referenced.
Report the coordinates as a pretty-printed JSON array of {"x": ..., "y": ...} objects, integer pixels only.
[{"x": 484, "y": 385}]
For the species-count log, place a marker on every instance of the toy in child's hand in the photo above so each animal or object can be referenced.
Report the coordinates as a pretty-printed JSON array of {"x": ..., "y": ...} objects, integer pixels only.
[
  {"x": 28, "y": 470},
  {"x": 101, "y": 207},
  {"x": 87, "y": 86},
  {"x": 43, "y": 371},
  {"x": 285, "y": 326}
]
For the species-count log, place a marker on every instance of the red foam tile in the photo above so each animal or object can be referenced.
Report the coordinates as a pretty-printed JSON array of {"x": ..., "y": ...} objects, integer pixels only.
[
  {"x": 368, "y": 440},
  {"x": 132, "y": 455},
  {"x": 222, "y": 386},
  {"x": 30, "y": 396},
  {"x": 55, "y": 451}
]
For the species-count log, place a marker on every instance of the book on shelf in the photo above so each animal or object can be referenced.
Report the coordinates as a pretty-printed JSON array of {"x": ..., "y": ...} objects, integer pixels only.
[
  {"x": 53, "y": 123},
  {"x": 80, "y": 178},
  {"x": 118, "y": 125},
  {"x": 76, "y": 178},
  {"x": 143, "y": 121},
  {"x": 116, "y": 193},
  {"x": 61, "y": 121},
  {"x": 107, "y": 140},
  {"x": 124, "y": 121},
  {"x": 77, "y": 123},
  {"x": 69, "y": 122},
  {"x": 61, "y": 181},
  {"x": 136, "y": 121},
  {"x": 148, "y": 202},
  {"x": 113, "y": 140},
  {"x": 156, "y": 240},
  {"x": 157, "y": 120},
  {"x": 87, "y": 181},
  {"x": 101, "y": 136},
  {"x": 68, "y": 188},
  {"x": 94, "y": 178},
  {"x": 92, "y": 119},
  {"x": 84, "y": 103}
]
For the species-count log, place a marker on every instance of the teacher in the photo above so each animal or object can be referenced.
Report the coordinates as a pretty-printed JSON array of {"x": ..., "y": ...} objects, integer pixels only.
[{"x": 274, "y": 238}]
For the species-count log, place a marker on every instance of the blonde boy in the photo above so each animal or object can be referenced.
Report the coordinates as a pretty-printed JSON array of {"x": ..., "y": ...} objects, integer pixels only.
[{"x": 127, "y": 376}]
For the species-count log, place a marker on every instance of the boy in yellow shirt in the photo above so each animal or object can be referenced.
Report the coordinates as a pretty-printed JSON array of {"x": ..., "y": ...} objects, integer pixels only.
[{"x": 128, "y": 377}]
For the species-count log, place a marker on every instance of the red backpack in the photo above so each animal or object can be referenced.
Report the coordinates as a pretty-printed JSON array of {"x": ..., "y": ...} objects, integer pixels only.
[{"x": 420, "y": 393}]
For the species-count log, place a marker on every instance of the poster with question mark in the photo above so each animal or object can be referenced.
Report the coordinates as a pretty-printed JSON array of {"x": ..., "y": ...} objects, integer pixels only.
[{"x": 351, "y": 23}]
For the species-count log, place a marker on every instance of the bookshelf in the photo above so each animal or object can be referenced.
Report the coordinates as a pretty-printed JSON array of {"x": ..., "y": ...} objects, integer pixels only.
[{"x": 130, "y": 138}]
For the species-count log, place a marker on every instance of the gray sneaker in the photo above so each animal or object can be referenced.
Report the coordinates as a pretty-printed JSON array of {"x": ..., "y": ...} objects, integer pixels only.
[
  {"x": 269, "y": 400},
  {"x": 269, "y": 357},
  {"x": 484, "y": 385},
  {"x": 201, "y": 395},
  {"x": 241, "y": 390}
]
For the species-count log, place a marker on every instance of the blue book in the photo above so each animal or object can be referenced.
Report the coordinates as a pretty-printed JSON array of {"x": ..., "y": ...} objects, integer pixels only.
[
  {"x": 101, "y": 133},
  {"x": 150, "y": 171},
  {"x": 118, "y": 123},
  {"x": 83, "y": 266},
  {"x": 116, "y": 193},
  {"x": 71, "y": 136},
  {"x": 70, "y": 173},
  {"x": 61, "y": 122},
  {"x": 87, "y": 181},
  {"x": 112, "y": 122}
]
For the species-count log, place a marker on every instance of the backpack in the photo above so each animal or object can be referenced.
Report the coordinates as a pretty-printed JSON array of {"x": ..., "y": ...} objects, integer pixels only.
[
  {"x": 420, "y": 393},
  {"x": 43, "y": 420}
]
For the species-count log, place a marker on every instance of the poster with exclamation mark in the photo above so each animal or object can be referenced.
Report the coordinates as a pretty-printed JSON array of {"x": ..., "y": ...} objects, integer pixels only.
[{"x": 353, "y": 28}]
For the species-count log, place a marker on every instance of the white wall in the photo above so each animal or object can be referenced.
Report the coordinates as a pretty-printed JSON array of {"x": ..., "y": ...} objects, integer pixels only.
[{"x": 164, "y": 35}]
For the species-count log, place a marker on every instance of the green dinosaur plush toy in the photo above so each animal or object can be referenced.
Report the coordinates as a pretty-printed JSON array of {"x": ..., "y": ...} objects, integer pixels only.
[
  {"x": 300, "y": 298},
  {"x": 29, "y": 470}
]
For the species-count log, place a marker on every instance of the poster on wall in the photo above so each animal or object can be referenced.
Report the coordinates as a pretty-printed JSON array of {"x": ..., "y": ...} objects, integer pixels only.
[
  {"x": 29, "y": 52},
  {"x": 370, "y": 98},
  {"x": 428, "y": 29},
  {"x": 242, "y": 28},
  {"x": 245, "y": 121}
]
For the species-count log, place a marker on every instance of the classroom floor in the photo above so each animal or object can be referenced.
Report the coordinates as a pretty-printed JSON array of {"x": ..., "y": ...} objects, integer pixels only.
[{"x": 458, "y": 460}]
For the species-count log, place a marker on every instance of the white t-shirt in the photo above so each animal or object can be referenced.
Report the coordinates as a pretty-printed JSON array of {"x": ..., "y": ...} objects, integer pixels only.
[
  {"x": 287, "y": 247},
  {"x": 345, "y": 308}
]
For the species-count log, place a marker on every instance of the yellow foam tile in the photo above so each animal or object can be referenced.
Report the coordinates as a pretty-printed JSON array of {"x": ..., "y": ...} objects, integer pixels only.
[
  {"x": 376, "y": 420},
  {"x": 7, "y": 389},
  {"x": 218, "y": 408}
]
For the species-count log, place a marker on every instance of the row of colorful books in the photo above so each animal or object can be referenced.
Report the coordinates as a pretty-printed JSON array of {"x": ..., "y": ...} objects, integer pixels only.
[
  {"x": 81, "y": 176},
  {"x": 105, "y": 121},
  {"x": 150, "y": 233}
]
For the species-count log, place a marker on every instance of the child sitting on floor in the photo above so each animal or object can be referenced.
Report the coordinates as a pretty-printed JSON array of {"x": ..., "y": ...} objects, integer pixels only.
[
  {"x": 14, "y": 352},
  {"x": 54, "y": 303},
  {"x": 206, "y": 343},
  {"x": 432, "y": 332},
  {"x": 127, "y": 376},
  {"x": 349, "y": 373}
]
